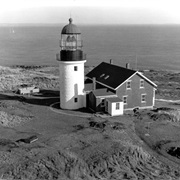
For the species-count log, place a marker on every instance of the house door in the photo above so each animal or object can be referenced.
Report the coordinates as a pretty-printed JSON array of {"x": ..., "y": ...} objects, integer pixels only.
[
  {"x": 87, "y": 100},
  {"x": 106, "y": 106}
]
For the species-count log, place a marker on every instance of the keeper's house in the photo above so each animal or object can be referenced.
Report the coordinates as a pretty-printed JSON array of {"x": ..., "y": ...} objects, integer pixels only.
[{"x": 115, "y": 89}]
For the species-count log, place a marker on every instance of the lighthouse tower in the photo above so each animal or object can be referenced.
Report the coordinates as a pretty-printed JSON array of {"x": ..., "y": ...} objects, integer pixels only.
[{"x": 71, "y": 67}]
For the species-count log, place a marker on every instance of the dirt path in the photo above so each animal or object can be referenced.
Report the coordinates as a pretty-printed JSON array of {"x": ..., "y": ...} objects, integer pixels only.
[{"x": 167, "y": 100}]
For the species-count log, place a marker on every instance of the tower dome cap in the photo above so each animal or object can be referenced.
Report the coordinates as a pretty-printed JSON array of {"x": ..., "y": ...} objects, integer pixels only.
[{"x": 70, "y": 28}]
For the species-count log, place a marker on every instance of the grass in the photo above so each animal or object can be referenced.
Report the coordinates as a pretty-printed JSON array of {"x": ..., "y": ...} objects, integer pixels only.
[
  {"x": 129, "y": 162},
  {"x": 79, "y": 148},
  {"x": 163, "y": 128},
  {"x": 168, "y": 83}
]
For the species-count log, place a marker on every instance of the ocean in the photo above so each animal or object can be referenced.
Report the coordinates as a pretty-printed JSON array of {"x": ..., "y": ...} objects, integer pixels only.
[{"x": 142, "y": 46}]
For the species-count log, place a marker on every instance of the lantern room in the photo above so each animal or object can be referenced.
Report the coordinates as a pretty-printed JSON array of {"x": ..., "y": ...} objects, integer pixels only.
[
  {"x": 70, "y": 37},
  {"x": 71, "y": 43}
]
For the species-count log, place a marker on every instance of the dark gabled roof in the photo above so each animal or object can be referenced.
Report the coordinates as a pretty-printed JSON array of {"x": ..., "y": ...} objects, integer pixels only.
[
  {"x": 103, "y": 92},
  {"x": 113, "y": 76},
  {"x": 114, "y": 99},
  {"x": 110, "y": 75}
]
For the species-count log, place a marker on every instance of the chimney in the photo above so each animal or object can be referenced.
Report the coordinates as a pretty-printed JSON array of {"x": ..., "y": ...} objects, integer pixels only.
[
  {"x": 127, "y": 66},
  {"x": 111, "y": 61},
  {"x": 94, "y": 83}
]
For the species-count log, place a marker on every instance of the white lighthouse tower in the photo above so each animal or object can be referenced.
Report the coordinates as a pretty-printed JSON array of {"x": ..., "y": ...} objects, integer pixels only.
[{"x": 71, "y": 67}]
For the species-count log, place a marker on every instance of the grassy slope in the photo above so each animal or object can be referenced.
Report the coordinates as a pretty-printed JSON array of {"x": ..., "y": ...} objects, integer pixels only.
[
  {"x": 168, "y": 83},
  {"x": 68, "y": 147}
]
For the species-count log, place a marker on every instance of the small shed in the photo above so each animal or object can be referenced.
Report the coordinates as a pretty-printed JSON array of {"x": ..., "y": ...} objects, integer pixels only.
[
  {"x": 27, "y": 89},
  {"x": 114, "y": 106}
]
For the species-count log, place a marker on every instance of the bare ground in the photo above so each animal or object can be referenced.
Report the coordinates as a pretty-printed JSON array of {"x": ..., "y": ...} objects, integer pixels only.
[{"x": 72, "y": 147}]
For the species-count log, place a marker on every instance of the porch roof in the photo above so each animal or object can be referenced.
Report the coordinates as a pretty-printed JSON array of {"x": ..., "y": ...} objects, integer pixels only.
[
  {"x": 103, "y": 93},
  {"x": 114, "y": 99}
]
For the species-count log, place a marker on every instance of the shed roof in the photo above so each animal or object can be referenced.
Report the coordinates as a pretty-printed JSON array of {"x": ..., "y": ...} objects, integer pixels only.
[
  {"x": 103, "y": 93},
  {"x": 114, "y": 99},
  {"x": 113, "y": 76}
]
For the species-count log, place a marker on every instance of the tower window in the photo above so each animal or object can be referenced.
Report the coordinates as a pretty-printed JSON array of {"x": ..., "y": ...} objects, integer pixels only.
[
  {"x": 75, "y": 68},
  {"x": 75, "y": 100}
]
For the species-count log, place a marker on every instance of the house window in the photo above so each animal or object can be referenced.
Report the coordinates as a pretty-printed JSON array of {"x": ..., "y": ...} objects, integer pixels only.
[
  {"x": 141, "y": 83},
  {"x": 125, "y": 99},
  {"x": 75, "y": 100},
  {"x": 103, "y": 103},
  {"x": 128, "y": 85},
  {"x": 117, "y": 106},
  {"x": 143, "y": 98},
  {"x": 75, "y": 68}
]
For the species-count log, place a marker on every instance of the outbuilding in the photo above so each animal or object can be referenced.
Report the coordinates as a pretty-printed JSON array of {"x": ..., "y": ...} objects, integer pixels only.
[
  {"x": 114, "y": 106},
  {"x": 104, "y": 100},
  {"x": 27, "y": 89}
]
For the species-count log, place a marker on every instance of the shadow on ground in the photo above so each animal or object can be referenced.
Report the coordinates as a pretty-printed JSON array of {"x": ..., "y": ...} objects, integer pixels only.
[
  {"x": 81, "y": 110},
  {"x": 47, "y": 93},
  {"x": 44, "y": 98}
]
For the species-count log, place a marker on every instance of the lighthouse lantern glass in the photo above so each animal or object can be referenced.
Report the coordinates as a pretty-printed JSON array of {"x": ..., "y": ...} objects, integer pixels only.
[{"x": 71, "y": 42}]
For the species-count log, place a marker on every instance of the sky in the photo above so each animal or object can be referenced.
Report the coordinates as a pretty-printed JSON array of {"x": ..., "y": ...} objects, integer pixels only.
[{"x": 90, "y": 11}]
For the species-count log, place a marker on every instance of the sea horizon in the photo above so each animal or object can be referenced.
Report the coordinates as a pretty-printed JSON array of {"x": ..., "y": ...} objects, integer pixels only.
[
  {"x": 83, "y": 24},
  {"x": 147, "y": 46}
]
